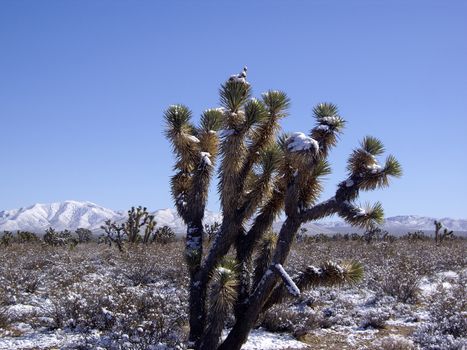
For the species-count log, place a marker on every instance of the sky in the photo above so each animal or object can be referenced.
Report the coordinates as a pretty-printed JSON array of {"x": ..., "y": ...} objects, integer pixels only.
[{"x": 83, "y": 87}]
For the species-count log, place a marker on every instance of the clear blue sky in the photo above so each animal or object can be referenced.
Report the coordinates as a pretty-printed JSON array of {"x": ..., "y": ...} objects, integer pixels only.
[{"x": 83, "y": 85}]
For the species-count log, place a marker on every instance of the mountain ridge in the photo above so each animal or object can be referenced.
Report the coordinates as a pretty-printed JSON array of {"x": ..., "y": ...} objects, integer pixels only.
[{"x": 72, "y": 214}]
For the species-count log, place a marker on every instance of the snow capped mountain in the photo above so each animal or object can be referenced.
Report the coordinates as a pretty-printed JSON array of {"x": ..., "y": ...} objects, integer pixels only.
[
  {"x": 66, "y": 215},
  {"x": 73, "y": 214},
  {"x": 403, "y": 224},
  {"x": 170, "y": 218},
  {"x": 424, "y": 223}
]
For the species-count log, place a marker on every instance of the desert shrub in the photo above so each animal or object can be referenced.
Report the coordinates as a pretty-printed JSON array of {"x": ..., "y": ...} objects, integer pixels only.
[
  {"x": 84, "y": 235},
  {"x": 135, "y": 315},
  {"x": 58, "y": 238},
  {"x": 416, "y": 235},
  {"x": 374, "y": 318},
  {"x": 7, "y": 238},
  {"x": 141, "y": 273},
  {"x": 26, "y": 237},
  {"x": 4, "y": 320},
  {"x": 164, "y": 235},
  {"x": 30, "y": 281},
  {"x": 297, "y": 321},
  {"x": 393, "y": 342},
  {"x": 447, "y": 328},
  {"x": 401, "y": 280},
  {"x": 375, "y": 234}
]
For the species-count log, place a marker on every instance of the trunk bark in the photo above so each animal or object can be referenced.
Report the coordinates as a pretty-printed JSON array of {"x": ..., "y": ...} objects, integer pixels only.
[
  {"x": 197, "y": 298},
  {"x": 239, "y": 333}
]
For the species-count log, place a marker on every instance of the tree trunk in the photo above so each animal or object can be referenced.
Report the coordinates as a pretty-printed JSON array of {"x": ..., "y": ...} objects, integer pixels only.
[
  {"x": 197, "y": 298},
  {"x": 239, "y": 333}
]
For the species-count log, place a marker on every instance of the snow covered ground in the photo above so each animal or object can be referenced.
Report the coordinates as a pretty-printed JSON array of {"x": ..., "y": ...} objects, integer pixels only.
[{"x": 413, "y": 296}]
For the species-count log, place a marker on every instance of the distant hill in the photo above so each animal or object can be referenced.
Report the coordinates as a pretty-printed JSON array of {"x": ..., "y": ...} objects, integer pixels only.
[
  {"x": 73, "y": 214},
  {"x": 402, "y": 224}
]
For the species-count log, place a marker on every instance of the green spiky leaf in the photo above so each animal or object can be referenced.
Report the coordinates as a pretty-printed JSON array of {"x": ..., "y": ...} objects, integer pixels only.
[
  {"x": 282, "y": 141},
  {"x": 321, "y": 168},
  {"x": 177, "y": 118},
  {"x": 277, "y": 102},
  {"x": 325, "y": 109},
  {"x": 372, "y": 145},
  {"x": 234, "y": 94},
  {"x": 365, "y": 217},
  {"x": 211, "y": 119},
  {"x": 270, "y": 158},
  {"x": 255, "y": 112},
  {"x": 392, "y": 167}
]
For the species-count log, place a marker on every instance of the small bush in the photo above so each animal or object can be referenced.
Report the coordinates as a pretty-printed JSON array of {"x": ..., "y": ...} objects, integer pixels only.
[
  {"x": 58, "y": 238},
  {"x": 84, "y": 235},
  {"x": 374, "y": 318},
  {"x": 164, "y": 235},
  {"x": 402, "y": 282},
  {"x": 447, "y": 328},
  {"x": 393, "y": 342},
  {"x": 297, "y": 321}
]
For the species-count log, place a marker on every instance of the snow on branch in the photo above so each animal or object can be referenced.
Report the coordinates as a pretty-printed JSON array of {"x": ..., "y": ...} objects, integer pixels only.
[
  {"x": 206, "y": 158},
  {"x": 331, "y": 120},
  {"x": 240, "y": 78},
  {"x": 374, "y": 168},
  {"x": 191, "y": 138},
  {"x": 300, "y": 142},
  {"x": 291, "y": 286}
]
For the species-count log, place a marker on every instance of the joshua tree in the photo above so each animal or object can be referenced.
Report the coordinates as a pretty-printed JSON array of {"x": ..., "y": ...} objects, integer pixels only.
[
  {"x": 260, "y": 176},
  {"x": 114, "y": 233},
  {"x": 210, "y": 230},
  {"x": 57, "y": 238},
  {"x": 26, "y": 236},
  {"x": 7, "y": 238},
  {"x": 139, "y": 220},
  {"x": 441, "y": 236},
  {"x": 84, "y": 235},
  {"x": 163, "y": 235}
]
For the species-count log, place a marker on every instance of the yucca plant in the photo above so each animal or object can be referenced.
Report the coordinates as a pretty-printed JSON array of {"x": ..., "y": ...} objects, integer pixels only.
[
  {"x": 163, "y": 235},
  {"x": 140, "y": 226},
  {"x": 262, "y": 174},
  {"x": 441, "y": 236}
]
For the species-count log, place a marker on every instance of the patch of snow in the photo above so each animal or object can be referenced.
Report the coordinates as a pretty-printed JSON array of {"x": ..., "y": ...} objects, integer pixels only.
[
  {"x": 316, "y": 270},
  {"x": 374, "y": 168},
  {"x": 260, "y": 339},
  {"x": 191, "y": 138},
  {"x": 57, "y": 339},
  {"x": 300, "y": 142},
  {"x": 361, "y": 212},
  {"x": 223, "y": 270},
  {"x": 240, "y": 78},
  {"x": 21, "y": 311},
  {"x": 205, "y": 158},
  {"x": 448, "y": 274},
  {"x": 429, "y": 286},
  {"x": 323, "y": 127},
  {"x": 332, "y": 120}
]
